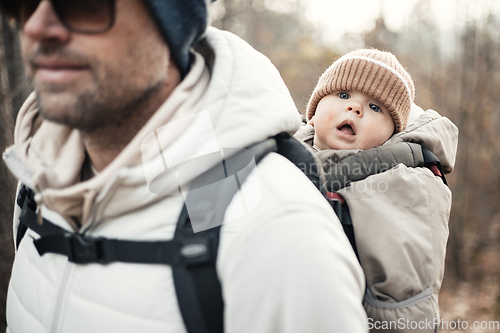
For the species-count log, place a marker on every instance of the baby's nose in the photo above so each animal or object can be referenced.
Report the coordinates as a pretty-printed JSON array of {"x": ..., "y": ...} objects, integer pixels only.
[{"x": 356, "y": 107}]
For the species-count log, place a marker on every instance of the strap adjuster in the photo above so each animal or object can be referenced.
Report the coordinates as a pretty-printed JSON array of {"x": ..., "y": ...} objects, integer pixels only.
[{"x": 83, "y": 250}]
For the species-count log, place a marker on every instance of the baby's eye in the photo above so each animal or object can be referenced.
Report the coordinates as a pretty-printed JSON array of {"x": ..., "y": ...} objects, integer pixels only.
[
  {"x": 344, "y": 95},
  {"x": 375, "y": 107}
]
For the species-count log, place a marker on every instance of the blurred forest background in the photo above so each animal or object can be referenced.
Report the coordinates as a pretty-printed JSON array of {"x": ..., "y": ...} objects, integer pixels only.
[{"x": 456, "y": 72}]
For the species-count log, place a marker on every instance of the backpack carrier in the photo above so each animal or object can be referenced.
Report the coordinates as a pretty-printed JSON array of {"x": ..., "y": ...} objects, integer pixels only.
[
  {"x": 193, "y": 255},
  {"x": 403, "y": 256}
]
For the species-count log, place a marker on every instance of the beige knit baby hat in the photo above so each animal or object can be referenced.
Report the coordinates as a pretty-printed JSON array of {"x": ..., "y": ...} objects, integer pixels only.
[{"x": 373, "y": 72}]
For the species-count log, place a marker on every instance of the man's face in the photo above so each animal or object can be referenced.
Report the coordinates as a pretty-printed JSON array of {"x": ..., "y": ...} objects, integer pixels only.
[
  {"x": 87, "y": 81},
  {"x": 351, "y": 120}
]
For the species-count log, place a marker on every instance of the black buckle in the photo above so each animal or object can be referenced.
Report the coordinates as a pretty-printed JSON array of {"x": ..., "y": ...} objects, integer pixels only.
[
  {"x": 26, "y": 196},
  {"x": 83, "y": 250}
]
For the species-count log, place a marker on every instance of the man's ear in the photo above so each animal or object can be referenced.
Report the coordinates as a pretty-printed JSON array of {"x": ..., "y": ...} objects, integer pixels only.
[{"x": 311, "y": 122}]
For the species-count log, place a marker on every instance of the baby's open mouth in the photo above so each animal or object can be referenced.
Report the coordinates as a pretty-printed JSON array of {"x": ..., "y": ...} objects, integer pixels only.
[{"x": 347, "y": 129}]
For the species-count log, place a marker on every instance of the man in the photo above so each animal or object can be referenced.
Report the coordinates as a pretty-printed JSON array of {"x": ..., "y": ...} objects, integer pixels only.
[{"x": 122, "y": 106}]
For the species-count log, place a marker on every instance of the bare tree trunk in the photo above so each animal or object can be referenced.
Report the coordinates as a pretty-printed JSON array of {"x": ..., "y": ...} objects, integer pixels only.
[{"x": 7, "y": 183}]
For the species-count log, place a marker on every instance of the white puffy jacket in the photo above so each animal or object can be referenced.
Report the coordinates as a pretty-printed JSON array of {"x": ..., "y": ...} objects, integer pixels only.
[{"x": 285, "y": 266}]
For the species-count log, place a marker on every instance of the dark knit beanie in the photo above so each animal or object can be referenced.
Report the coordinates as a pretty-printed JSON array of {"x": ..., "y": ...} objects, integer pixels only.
[
  {"x": 373, "y": 72},
  {"x": 182, "y": 23}
]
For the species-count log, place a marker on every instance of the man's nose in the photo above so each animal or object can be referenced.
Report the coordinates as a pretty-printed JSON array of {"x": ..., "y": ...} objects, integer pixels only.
[
  {"x": 355, "y": 106},
  {"x": 44, "y": 25}
]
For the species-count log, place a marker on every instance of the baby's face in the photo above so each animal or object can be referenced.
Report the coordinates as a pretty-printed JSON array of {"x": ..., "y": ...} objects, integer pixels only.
[{"x": 351, "y": 120}]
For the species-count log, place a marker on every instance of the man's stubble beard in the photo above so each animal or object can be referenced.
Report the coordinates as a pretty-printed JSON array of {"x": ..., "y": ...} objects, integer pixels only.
[{"x": 107, "y": 102}]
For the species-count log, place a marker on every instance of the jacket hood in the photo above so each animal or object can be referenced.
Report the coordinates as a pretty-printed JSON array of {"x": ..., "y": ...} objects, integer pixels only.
[{"x": 242, "y": 101}]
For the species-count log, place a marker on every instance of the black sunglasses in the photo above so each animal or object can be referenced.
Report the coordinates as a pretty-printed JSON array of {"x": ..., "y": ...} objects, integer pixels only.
[{"x": 83, "y": 16}]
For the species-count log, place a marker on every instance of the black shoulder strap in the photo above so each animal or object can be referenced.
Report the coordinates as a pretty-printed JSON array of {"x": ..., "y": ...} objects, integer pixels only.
[
  {"x": 198, "y": 288},
  {"x": 301, "y": 157}
]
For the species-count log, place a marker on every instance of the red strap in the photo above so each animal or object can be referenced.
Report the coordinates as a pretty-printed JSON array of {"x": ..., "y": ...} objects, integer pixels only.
[
  {"x": 435, "y": 170},
  {"x": 335, "y": 196}
]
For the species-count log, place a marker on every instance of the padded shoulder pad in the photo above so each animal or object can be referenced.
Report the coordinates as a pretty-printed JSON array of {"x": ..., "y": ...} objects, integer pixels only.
[{"x": 340, "y": 173}]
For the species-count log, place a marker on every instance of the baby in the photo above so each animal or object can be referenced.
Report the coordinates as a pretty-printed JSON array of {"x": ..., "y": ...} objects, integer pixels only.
[
  {"x": 358, "y": 116},
  {"x": 360, "y": 101}
]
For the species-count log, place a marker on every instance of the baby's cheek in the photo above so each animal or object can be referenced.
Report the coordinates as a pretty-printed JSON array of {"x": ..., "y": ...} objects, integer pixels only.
[{"x": 386, "y": 136}]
